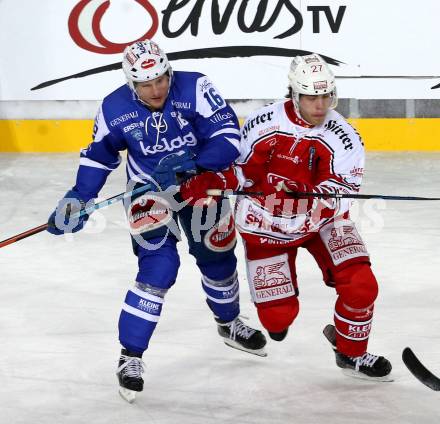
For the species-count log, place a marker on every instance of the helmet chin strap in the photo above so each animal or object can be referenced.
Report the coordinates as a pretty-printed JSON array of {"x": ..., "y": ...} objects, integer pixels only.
[
  {"x": 296, "y": 107},
  {"x": 136, "y": 97}
]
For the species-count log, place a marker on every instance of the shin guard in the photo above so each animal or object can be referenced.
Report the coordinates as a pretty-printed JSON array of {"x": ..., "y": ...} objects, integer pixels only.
[{"x": 357, "y": 289}]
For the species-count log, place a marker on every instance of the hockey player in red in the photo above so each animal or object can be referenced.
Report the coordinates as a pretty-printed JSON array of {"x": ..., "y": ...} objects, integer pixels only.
[{"x": 287, "y": 148}]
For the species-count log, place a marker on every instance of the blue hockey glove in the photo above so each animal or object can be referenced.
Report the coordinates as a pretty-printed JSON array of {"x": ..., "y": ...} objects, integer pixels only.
[
  {"x": 59, "y": 222},
  {"x": 170, "y": 168}
]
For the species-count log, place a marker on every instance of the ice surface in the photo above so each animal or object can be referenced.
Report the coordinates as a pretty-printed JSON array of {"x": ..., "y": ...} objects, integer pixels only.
[{"x": 60, "y": 299}]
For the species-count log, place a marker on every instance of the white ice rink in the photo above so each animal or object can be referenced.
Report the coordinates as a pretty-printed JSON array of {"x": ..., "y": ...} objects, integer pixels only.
[{"x": 60, "y": 299}]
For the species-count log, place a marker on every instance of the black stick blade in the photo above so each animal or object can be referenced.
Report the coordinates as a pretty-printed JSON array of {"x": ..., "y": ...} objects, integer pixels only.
[{"x": 419, "y": 371}]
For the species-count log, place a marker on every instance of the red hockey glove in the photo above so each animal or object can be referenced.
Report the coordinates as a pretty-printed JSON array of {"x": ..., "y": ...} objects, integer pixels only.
[
  {"x": 323, "y": 208},
  {"x": 291, "y": 187},
  {"x": 288, "y": 198},
  {"x": 194, "y": 189}
]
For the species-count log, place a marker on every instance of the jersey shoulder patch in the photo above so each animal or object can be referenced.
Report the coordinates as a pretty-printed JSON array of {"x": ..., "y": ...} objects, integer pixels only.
[
  {"x": 340, "y": 134},
  {"x": 263, "y": 121},
  {"x": 208, "y": 98}
]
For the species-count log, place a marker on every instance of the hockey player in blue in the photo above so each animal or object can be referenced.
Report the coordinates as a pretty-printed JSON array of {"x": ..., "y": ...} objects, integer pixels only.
[{"x": 172, "y": 125}]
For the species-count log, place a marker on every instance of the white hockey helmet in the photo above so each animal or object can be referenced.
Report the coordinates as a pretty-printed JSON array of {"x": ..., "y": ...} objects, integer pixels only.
[
  {"x": 312, "y": 76},
  {"x": 144, "y": 61}
]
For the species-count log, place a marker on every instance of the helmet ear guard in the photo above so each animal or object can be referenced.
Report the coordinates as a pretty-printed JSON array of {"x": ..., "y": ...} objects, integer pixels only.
[{"x": 311, "y": 75}]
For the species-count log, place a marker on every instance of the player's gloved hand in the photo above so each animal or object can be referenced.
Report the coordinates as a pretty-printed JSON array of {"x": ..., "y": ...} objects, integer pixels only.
[
  {"x": 166, "y": 172},
  {"x": 286, "y": 198},
  {"x": 194, "y": 189},
  {"x": 60, "y": 222},
  {"x": 324, "y": 207},
  {"x": 294, "y": 188}
]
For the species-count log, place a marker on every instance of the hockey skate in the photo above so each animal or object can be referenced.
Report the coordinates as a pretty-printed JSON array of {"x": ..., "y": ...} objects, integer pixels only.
[
  {"x": 367, "y": 367},
  {"x": 129, "y": 374},
  {"x": 239, "y": 336}
]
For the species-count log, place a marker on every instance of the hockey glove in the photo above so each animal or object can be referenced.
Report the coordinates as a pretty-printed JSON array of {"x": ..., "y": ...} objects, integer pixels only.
[
  {"x": 194, "y": 189},
  {"x": 286, "y": 199},
  {"x": 59, "y": 222},
  {"x": 320, "y": 207},
  {"x": 294, "y": 188},
  {"x": 171, "y": 168}
]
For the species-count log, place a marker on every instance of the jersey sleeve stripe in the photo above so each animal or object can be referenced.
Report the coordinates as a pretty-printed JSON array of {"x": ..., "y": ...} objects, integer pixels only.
[
  {"x": 134, "y": 176},
  {"x": 226, "y": 131},
  {"x": 93, "y": 164},
  {"x": 134, "y": 165},
  {"x": 234, "y": 142}
]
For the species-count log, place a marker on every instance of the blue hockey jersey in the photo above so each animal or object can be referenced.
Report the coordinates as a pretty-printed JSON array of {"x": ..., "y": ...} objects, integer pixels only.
[{"x": 195, "y": 118}]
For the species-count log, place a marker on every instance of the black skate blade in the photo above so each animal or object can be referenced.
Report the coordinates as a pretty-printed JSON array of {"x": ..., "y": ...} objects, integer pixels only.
[
  {"x": 419, "y": 371},
  {"x": 235, "y": 345}
]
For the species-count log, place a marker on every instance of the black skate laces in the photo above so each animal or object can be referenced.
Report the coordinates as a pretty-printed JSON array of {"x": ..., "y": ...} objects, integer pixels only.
[
  {"x": 238, "y": 328},
  {"x": 132, "y": 366},
  {"x": 367, "y": 359}
]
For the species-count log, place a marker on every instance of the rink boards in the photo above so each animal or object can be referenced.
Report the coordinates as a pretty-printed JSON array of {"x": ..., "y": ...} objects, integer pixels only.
[{"x": 379, "y": 134}]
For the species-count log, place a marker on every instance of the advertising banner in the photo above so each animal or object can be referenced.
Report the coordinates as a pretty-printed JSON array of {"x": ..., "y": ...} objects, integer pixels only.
[{"x": 71, "y": 49}]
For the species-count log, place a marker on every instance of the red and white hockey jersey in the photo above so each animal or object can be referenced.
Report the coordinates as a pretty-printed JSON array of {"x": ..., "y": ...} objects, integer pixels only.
[{"x": 277, "y": 145}]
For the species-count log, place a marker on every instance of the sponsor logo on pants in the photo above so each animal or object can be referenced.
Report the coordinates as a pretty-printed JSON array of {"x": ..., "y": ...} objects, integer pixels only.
[
  {"x": 342, "y": 241},
  {"x": 270, "y": 279}
]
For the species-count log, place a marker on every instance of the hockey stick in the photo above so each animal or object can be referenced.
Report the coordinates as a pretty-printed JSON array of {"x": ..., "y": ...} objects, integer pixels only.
[
  {"x": 100, "y": 205},
  {"x": 216, "y": 192},
  {"x": 419, "y": 371}
]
